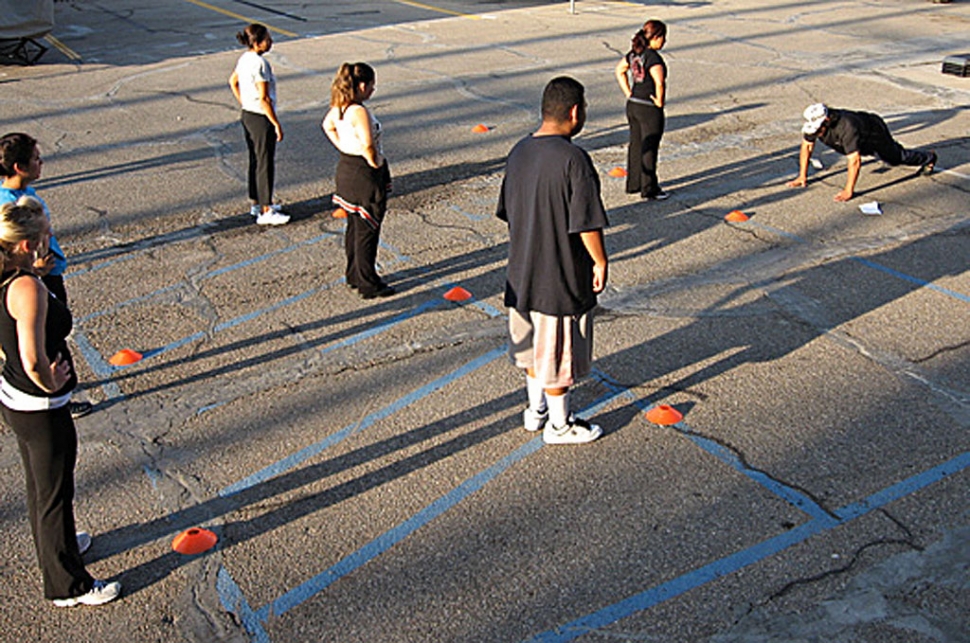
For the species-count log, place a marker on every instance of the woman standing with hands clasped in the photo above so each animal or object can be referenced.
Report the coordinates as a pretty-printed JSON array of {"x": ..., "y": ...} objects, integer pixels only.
[
  {"x": 363, "y": 179},
  {"x": 38, "y": 377},
  {"x": 254, "y": 86},
  {"x": 644, "y": 107}
]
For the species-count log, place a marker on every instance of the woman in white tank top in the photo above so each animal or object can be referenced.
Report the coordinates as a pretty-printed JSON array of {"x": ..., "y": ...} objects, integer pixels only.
[{"x": 363, "y": 179}]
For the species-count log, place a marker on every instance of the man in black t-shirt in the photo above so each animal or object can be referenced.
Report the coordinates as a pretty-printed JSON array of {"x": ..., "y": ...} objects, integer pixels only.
[
  {"x": 550, "y": 198},
  {"x": 854, "y": 134}
]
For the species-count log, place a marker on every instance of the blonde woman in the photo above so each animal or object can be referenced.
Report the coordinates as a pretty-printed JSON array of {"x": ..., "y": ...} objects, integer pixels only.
[
  {"x": 38, "y": 377},
  {"x": 254, "y": 86},
  {"x": 363, "y": 179}
]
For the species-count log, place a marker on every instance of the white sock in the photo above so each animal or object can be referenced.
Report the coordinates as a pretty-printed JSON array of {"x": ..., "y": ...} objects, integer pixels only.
[
  {"x": 558, "y": 409},
  {"x": 537, "y": 395}
]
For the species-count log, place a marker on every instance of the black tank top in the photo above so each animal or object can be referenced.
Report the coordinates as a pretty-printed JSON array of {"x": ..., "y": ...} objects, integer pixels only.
[{"x": 57, "y": 327}]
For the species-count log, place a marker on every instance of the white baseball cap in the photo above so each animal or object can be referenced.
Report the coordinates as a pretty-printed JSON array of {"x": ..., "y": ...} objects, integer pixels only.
[{"x": 814, "y": 115}]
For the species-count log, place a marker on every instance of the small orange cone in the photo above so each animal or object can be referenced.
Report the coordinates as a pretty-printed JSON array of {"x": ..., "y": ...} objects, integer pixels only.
[
  {"x": 124, "y": 357},
  {"x": 664, "y": 414},
  {"x": 617, "y": 172},
  {"x": 736, "y": 216},
  {"x": 458, "y": 294},
  {"x": 339, "y": 213},
  {"x": 194, "y": 541},
  {"x": 481, "y": 128}
]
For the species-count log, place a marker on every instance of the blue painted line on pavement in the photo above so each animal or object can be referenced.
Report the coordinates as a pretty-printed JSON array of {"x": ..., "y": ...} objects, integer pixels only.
[
  {"x": 747, "y": 557},
  {"x": 787, "y": 493},
  {"x": 383, "y": 326},
  {"x": 71, "y": 274},
  {"x": 871, "y": 264},
  {"x": 293, "y": 460},
  {"x": 469, "y": 215},
  {"x": 283, "y": 303},
  {"x": 209, "y": 275},
  {"x": 101, "y": 369},
  {"x": 778, "y": 231},
  {"x": 911, "y": 279},
  {"x": 483, "y": 306},
  {"x": 904, "y": 488},
  {"x": 235, "y": 603},
  {"x": 388, "y": 539},
  {"x": 487, "y": 308}
]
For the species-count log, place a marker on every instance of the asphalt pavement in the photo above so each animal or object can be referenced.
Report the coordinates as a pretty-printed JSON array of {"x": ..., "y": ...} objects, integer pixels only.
[{"x": 363, "y": 464}]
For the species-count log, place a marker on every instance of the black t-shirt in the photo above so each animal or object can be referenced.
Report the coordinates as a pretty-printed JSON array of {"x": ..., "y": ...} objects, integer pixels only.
[
  {"x": 849, "y": 132},
  {"x": 57, "y": 327},
  {"x": 550, "y": 194},
  {"x": 640, "y": 64}
]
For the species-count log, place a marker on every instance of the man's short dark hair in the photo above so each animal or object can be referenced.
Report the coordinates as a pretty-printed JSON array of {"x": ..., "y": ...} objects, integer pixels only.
[
  {"x": 560, "y": 95},
  {"x": 15, "y": 148}
]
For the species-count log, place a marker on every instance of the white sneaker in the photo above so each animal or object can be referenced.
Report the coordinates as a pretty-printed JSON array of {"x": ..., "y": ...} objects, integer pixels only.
[
  {"x": 83, "y": 541},
  {"x": 534, "y": 420},
  {"x": 273, "y": 217},
  {"x": 255, "y": 210},
  {"x": 577, "y": 431},
  {"x": 102, "y": 592}
]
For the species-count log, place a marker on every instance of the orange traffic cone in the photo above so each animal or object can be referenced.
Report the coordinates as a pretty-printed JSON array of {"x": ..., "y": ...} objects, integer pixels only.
[
  {"x": 458, "y": 294},
  {"x": 617, "y": 172},
  {"x": 736, "y": 216},
  {"x": 339, "y": 213},
  {"x": 664, "y": 415},
  {"x": 481, "y": 128},
  {"x": 194, "y": 541},
  {"x": 124, "y": 357}
]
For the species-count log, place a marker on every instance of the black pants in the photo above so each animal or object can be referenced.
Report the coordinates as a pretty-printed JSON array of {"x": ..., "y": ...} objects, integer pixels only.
[
  {"x": 887, "y": 149},
  {"x": 48, "y": 447},
  {"x": 360, "y": 242},
  {"x": 261, "y": 141},
  {"x": 362, "y": 192},
  {"x": 646, "y": 130}
]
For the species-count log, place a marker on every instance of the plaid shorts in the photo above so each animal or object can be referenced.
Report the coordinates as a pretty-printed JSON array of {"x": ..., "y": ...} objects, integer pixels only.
[{"x": 558, "y": 349}]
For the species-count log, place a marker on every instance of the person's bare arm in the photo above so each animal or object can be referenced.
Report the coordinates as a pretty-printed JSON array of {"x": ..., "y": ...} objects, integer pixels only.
[
  {"x": 593, "y": 242},
  {"x": 329, "y": 126},
  {"x": 660, "y": 85},
  {"x": 27, "y": 303},
  {"x": 803, "y": 157},
  {"x": 854, "y": 163},
  {"x": 234, "y": 85},
  {"x": 360, "y": 119},
  {"x": 622, "y": 78},
  {"x": 262, "y": 88}
]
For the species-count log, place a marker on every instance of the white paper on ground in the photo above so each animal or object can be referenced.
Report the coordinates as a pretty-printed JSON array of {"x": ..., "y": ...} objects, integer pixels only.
[
  {"x": 871, "y": 208},
  {"x": 817, "y": 164}
]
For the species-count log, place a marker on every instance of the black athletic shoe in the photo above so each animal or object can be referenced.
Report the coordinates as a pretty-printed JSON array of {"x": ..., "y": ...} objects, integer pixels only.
[
  {"x": 79, "y": 409},
  {"x": 383, "y": 291},
  {"x": 659, "y": 195}
]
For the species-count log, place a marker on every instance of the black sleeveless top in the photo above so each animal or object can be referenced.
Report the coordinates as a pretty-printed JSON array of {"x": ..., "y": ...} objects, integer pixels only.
[{"x": 57, "y": 327}]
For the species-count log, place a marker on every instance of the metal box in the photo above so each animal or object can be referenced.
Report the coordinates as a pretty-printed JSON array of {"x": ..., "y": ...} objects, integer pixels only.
[{"x": 958, "y": 65}]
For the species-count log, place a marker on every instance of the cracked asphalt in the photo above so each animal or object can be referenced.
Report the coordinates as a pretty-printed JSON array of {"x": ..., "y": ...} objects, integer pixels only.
[{"x": 363, "y": 463}]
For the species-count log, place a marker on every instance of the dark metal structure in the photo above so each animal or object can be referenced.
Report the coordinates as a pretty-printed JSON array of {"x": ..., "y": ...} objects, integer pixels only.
[{"x": 22, "y": 24}]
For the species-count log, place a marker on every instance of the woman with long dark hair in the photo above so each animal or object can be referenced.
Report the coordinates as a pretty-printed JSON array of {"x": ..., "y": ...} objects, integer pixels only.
[
  {"x": 254, "y": 86},
  {"x": 642, "y": 75},
  {"x": 363, "y": 179},
  {"x": 38, "y": 377},
  {"x": 21, "y": 165}
]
